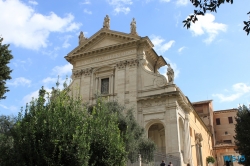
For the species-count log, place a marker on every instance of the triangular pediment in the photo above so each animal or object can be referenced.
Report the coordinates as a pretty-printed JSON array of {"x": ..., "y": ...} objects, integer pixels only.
[
  {"x": 106, "y": 41},
  {"x": 103, "y": 39}
]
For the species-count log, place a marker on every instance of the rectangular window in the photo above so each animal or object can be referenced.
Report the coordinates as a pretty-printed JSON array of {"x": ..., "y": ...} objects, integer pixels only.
[
  {"x": 230, "y": 119},
  {"x": 217, "y": 121},
  {"x": 227, "y": 141},
  {"x": 105, "y": 86}
]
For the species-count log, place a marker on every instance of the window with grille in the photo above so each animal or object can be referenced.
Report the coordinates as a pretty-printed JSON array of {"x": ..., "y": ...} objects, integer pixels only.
[
  {"x": 217, "y": 121},
  {"x": 105, "y": 86},
  {"x": 230, "y": 119}
]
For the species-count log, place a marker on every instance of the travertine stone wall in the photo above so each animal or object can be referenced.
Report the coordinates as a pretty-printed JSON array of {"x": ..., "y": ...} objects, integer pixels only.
[{"x": 132, "y": 66}]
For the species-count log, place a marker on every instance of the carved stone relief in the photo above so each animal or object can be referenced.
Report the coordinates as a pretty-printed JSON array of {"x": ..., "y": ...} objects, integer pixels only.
[
  {"x": 160, "y": 82},
  {"x": 85, "y": 72},
  {"x": 130, "y": 63},
  {"x": 133, "y": 63},
  {"x": 121, "y": 65},
  {"x": 77, "y": 74},
  {"x": 198, "y": 138}
]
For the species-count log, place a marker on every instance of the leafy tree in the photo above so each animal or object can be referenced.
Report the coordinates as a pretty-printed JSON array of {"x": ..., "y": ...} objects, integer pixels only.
[
  {"x": 242, "y": 137},
  {"x": 133, "y": 134},
  {"x": 209, "y": 5},
  {"x": 56, "y": 129},
  {"x": 60, "y": 131},
  {"x": 6, "y": 140},
  {"x": 5, "y": 57},
  {"x": 107, "y": 146}
]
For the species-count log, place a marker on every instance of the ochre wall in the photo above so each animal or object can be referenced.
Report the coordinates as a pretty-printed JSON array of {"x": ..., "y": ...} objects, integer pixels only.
[{"x": 197, "y": 126}]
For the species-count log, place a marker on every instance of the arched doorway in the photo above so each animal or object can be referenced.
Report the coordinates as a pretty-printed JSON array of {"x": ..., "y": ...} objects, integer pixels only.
[{"x": 156, "y": 133}]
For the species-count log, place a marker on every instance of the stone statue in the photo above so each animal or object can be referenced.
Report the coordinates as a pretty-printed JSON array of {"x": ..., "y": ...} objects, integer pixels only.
[
  {"x": 106, "y": 23},
  {"x": 170, "y": 74},
  {"x": 81, "y": 38},
  {"x": 133, "y": 27}
]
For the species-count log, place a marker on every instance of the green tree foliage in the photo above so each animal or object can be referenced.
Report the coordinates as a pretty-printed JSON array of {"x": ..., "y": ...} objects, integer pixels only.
[
  {"x": 107, "y": 146},
  {"x": 132, "y": 133},
  {"x": 56, "y": 129},
  {"x": 5, "y": 57},
  {"x": 6, "y": 140},
  {"x": 202, "y": 6},
  {"x": 60, "y": 131},
  {"x": 242, "y": 137}
]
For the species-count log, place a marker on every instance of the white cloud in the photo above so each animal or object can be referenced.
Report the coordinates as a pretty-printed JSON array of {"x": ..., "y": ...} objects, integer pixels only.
[
  {"x": 181, "y": 49},
  {"x": 125, "y": 10},
  {"x": 28, "y": 98},
  {"x": 86, "y": 2},
  {"x": 177, "y": 17},
  {"x": 206, "y": 24},
  {"x": 49, "y": 80},
  {"x": 11, "y": 108},
  {"x": 87, "y": 11},
  {"x": 238, "y": 89},
  {"x": 241, "y": 87},
  {"x": 164, "y": 0},
  {"x": 181, "y": 2},
  {"x": 120, "y": 5},
  {"x": 224, "y": 98},
  {"x": 159, "y": 44},
  {"x": 22, "y": 63},
  {"x": 66, "y": 43},
  {"x": 30, "y": 29},
  {"x": 33, "y": 95},
  {"x": 33, "y": 2},
  {"x": 62, "y": 70},
  {"x": 52, "y": 53},
  {"x": 20, "y": 81}
]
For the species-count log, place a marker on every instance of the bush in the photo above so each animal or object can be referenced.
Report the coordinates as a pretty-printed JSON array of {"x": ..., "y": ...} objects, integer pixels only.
[{"x": 210, "y": 159}]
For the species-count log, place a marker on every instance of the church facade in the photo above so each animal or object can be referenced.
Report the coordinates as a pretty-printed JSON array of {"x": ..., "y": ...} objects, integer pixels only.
[{"x": 124, "y": 67}]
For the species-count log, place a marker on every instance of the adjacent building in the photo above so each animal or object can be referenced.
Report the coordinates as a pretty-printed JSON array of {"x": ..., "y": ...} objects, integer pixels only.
[{"x": 224, "y": 131}]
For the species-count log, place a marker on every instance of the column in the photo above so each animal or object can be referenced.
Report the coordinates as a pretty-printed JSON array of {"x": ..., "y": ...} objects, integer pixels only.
[{"x": 187, "y": 147}]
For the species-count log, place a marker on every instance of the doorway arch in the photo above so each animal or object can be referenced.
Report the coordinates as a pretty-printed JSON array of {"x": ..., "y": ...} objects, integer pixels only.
[{"x": 156, "y": 133}]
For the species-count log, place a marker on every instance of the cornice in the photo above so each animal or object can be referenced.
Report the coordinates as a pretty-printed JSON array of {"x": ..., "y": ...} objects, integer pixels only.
[
  {"x": 101, "y": 50},
  {"x": 103, "y": 32},
  {"x": 161, "y": 95},
  {"x": 225, "y": 111}
]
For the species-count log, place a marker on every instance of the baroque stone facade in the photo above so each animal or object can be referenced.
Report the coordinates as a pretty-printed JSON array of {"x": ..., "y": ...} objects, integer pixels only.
[{"x": 124, "y": 67}]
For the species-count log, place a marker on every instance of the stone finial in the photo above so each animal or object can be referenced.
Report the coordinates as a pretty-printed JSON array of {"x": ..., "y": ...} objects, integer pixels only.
[
  {"x": 133, "y": 27},
  {"x": 81, "y": 38},
  {"x": 106, "y": 23},
  {"x": 170, "y": 74}
]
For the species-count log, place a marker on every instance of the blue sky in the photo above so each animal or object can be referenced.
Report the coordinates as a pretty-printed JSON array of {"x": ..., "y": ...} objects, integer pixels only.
[{"x": 210, "y": 60}]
